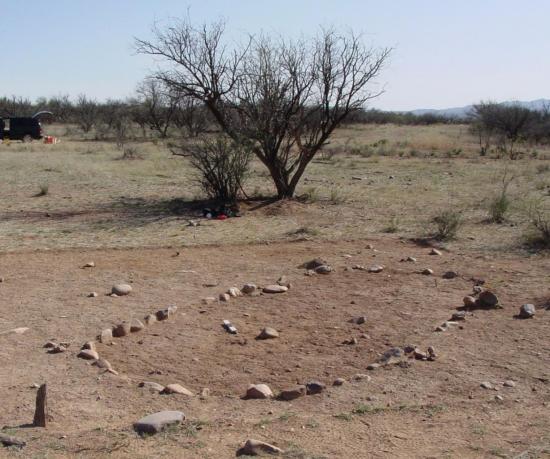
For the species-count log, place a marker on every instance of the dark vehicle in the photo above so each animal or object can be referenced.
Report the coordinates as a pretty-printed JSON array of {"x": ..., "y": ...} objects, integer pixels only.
[{"x": 21, "y": 128}]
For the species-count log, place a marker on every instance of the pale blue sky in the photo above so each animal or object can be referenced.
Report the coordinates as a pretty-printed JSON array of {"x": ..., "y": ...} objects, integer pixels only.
[{"x": 447, "y": 53}]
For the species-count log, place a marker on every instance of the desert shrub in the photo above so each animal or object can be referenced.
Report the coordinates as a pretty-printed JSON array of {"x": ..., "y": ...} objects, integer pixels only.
[
  {"x": 311, "y": 194},
  {"x": 130, "y": 153},
  {"x": 393, "y": 225},
  {"x": 44, "y": 190},
  {"x": 447, "y": 223},
  {"x": 540, "y": 226},
  {"x": 498, "y": 208},
  {"x": 221, "y": 165},
  {"x": 336, "y": 196}
]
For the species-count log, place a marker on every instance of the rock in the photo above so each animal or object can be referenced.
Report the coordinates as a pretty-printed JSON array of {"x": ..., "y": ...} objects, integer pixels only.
[
  {"x": 427, "y": 272},
  {"x": 309, "y": 273},
  {"x": 275, "y": 289},
  {"x": 150, "y": 319},
  {"x": 50, "y": 345},
  {"x": 369, "y": 246},
  {"x": 509, "y": 383},
  {"x": 136, "y": 326},
  {"x": 284, "y": 281},
  {"x": 229, "y": 327},
  {"x": 268, "y": 333},
  {"x": 411, "y": 259},
  {"x": 205, "y": 392},
  {"x": 487, "y": 299},
  {"x": 156, "y": 422},
  {"x": 527, "y": 311},
  {"x": 458, "y": 316},
  {"x": 358, "y": 268},
  {"x": 450, "y": 275},
  {"x": 92, "y": 295},
  {"x": 208, "y": 300},
  {"x": 419, "y": 355},
  {"x": 376, "y": 269},
  {"x": 90, "y": 264},
  {"x": 9, "y": 440},
  {"x": 358, "y": 320},
  {"x": 257, "y": 447},
  {"x": 314, "y": 264},
  {"x": 258, "y": 391},
  {"x": 234, "y": 292},
  {"x": 499, "y": 398},
  {"x": 177, "y": 389},
  {"x": 323, "y": 269},
  {"x": 361, "y": 377},
  {"x": 350, "y": 342},
  {"x": 477, "y": 289},
  {"x": 469, "y": 301},
  {"x": 121, "y": 289},
  {"x": 121, "y": 330},
  {"x": 88, "y": 354},
  {"x": 89, "y": 345},
  {"x": 409, "y": 348},
  {"x": 394, "y": 352},
  {"x": 172, "y": 310},
  {"x": 486, "y": 385},
  {"x": 314, "y": 387},
  {"x": 224, "y": 297},
  {"x": 249, "y": 289},
  {"x": 339, "y": 382},
  {"x": 102, "y": 363},
  {"x": 441, "y": 328},
  {"x": 292, "y": 394},
  {"x": 431, "y": 353},
  {"x": 57, "y": 349},
  {"x": 151, "y": 386},
  {"x": 373, "y": 366},
  {"x": 435, "y": 252},
  {"x": 162, "y": 314}
]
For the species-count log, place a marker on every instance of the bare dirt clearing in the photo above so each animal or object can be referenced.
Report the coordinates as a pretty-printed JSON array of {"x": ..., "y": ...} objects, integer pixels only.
[{"x": 415, "y": 409}]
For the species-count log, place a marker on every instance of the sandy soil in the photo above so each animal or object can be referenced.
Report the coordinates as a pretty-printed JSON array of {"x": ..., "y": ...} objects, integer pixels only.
[{"x": 411, "y": 409}]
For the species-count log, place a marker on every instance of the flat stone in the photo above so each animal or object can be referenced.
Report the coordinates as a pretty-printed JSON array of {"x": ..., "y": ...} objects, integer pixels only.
[
  {"x": 527, "y": 311},
  {"x": 136, "y": 326},
  {"x": 427, "y": 272},
  {"x": 257, "y": 447},
  {"x": 88, "y": 354},
  {"x": 373, "y": 366},
  {"x": 509, "y": 383},
  {"x": 151, "y": 386},
  {"x": 121, "y": 289},
  {"x": 486, "y": 385},
  {"x": 339, "y": 382},
  {"x": 177, "y": 389},
  {"x": 292, "y": 394},
  {"x": 275, "y": 289},
  {"x": 268, "y": 333},
  {"x": 121, "y": 330},
  {"x": 90, "y": 264},
  {"x": 156, "y": 422},
  {"x": 258, "y": 391},
  {"x": 436, "y": 252},
  {"x": 92, "y": 295},
  {"x": 314, "y": 387},
  {"x": 376, "y": 269}
]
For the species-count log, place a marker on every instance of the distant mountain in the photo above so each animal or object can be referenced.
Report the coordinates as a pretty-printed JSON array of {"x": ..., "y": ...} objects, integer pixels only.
[{"x": 463, "y": 112}]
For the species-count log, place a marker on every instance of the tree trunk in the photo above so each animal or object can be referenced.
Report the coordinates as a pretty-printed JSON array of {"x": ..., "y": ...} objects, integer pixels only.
[{"x": 41, "y": 407}]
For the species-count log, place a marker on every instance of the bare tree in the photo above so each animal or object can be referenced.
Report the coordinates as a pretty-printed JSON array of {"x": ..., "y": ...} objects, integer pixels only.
[
  {"x": 160, "y": 104},
  {"x": 86, "y": 113},
  {"x": 281, "y": 98}
]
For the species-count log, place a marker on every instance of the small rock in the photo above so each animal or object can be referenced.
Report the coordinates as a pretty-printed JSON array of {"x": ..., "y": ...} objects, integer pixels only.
[
  {"x": 323, "y": 269},
  {"x": 477, "y": 289},
  {"x": 458, "y": 316},
  {"x": 150, "y": 319},
  {"x": 121, "y": 289},
  {"x": 205, "y": 392},
  {"x": 234, "y": 292},
  {"x": 50, "y": 345},
  {"x": 208, "y": 300},
  {"x": 88, "y": 354},
  {"x": 373, "y": 366},
  {"x": 102, "y": 363},
  {"x": 89, "y": 345},
  {"x": 156, "y": 422},
  {"x": 11, "y": 441},
  {"x": 361, "y": 377},
  {"x": 469, "y": 301},
  {"x": 358, "y": 320},
  {"x": 339, "y": 382},
  {"x": 431, "y": 353},
  {"x": 152, "y": 386},
  {"x": 350, "y": 342},
  {"x": 427, "y": 272},
  {"x": 92, "y": 295},
  {"x": 509, "y": 383},
  {"x": 315, "y": 263},
  {"x": 435, "y": 252},
  {"x": 257, "y": 447},
  {"x": 411, "y": 259},
  {"x": 258, "y": 391},
  {"x": 409, "y": 348},
  {"x": 487, "y": 299},
  {"x": 275, "y": 289},
  {"x": 177, "y": 389},
  {"x": 314, "y": 387},
  {"x": 229, "y": 327},
  {"x": 121, "y": 330},
  {"x": 172, "y": 310},
  {"x": 292, "y": 394},
  {"x": 527, "y": 311},
  {"x": 369, "y": 246},
  {"x": 486, "y": 385},
  {"x": 358, "y": 267},
  {"x": 499, "y": 398},
  {"x": 57, "y": 349},
  {"x": 268, "y": 333},
  {"x": 450, "y": 275},
  {"x": 90, "y": 264},
  {"x": 376, "y": 269},
  {"x": 224, "y": 297},
  {"x": 136, "y": 326},
  {"x": 162, "y": 314},
  {"x": 249, "y": 289},
  {"x": 419, "y": 355},
  {"x": 309, "y": 273}
]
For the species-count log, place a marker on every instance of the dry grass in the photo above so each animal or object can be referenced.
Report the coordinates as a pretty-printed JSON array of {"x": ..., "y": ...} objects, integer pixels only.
[{"x": 96, "y": 200}]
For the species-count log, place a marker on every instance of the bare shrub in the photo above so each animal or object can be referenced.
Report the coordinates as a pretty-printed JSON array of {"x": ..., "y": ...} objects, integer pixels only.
[
  {"x": 222, "y": 166},
  {"x": 447, "y": 223},
  {"x": 540, "y": 226}
]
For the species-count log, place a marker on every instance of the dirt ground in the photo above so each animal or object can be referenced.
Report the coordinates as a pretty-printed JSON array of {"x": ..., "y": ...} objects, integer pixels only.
[{"x": 412, "y": 409}]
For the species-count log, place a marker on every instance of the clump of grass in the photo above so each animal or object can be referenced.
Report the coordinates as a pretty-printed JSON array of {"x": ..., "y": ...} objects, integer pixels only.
[
  {"x": 447, "y": 223},
  {"x": 44, "y": 190},
  {"x": 540, "y": 227},
  {"x": 393, "y": 225},
  {"x": 131, "y": 153},
  {"x": 311, "y": 195},
  {"x": 498, "y": 208},
  {"x": 336, "y": 196}
]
